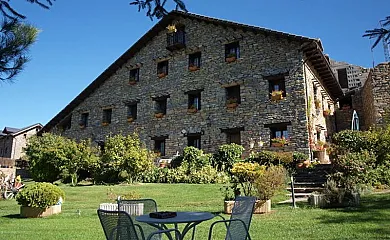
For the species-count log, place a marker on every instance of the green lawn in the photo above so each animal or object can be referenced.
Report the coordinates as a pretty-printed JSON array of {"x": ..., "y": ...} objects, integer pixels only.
[{"x": 370, "y": 221}]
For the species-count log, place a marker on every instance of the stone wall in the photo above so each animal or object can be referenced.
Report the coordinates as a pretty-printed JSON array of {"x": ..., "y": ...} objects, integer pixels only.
[{"x": 261, "y": 55}]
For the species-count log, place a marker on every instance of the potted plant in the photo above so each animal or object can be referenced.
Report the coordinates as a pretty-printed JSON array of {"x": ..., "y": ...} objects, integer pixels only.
[
  {"x": 132, "y": 80},
  {"x": 231, "y": 57},
  {"x": 130, "y": 119},
  {"x": 317, "y": 103},
  {"x": 276, "y": 95},
  {"x": 266, "y": 185},
  {"x": 193, "y": 67},
  {"x": 161, "y": 74},
  {"x": 326, "y": 112},
  {"x": 159, "y": 115},
  {"x": 192, "y": 109},
  {"x": 105, "y": 123},
  {"x": 278, "y": 142},
  {"x": 40, "y": 200},
  {"x": 231, "y": 103}
]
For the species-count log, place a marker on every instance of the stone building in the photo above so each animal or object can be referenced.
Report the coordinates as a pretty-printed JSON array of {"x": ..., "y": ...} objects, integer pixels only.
[
  {"x": 13, "y": 140},
  {"x": 198, "y": 81}
]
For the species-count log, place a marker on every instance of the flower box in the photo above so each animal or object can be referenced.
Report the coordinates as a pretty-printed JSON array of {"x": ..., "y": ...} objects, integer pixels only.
[
  {"x": 159, "y": 115},
  {"x": 82, "y": 126},
  {"x": 132, "y": 82},
  {"x": 276, "y": 95},
  {"x": 261, "y": 206},
  {"x": 192, "y": 110},
  {"x": 231, "y": 105},
  {"x": 277, "y": 144},
  {"x": 161, "y": 75},
  {"x": 105, "y": 124},
  {"x": 193, "y": 68},
  {"x": 231, "y": 59},
  {"x": 130, "y": 119}
]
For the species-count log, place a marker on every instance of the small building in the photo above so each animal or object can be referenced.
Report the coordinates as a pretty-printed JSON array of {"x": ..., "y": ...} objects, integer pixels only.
[
  {"x": 198, "y": 81},
  {"x": 13, "y": 140}
]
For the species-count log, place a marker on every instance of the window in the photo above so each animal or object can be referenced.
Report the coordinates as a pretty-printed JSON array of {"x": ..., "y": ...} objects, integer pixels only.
[
  {"x": 194, "y": 101},
  {"x": 84, "y": 120},
  {"x": 161, "y": 105},
  {"x": 233, "y": 95},
  {"x": 194, "y": 61},
  {"x": 162, "y": 69},
  {"x": 107, "y": 113},
  {"x": 66, "y": 124},
  {"x": 131, "y": 112},
  {"x": 232, "y": 51},
  {"x": 278, "y": 130},
  {"x": 176, "y": 37},
  {"x": 159, "y": 146},
  {"x": 233, "y": 135},
  {"x": 194, "y": 141},
  {"x": 277, "y": 88},
  {"x": 134, "y": 76}
]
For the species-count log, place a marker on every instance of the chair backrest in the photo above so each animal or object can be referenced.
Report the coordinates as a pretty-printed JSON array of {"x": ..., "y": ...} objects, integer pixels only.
[
  {"x": 138, "y": 207},
  {"x": 242, "y": 210},
  {"x": 117, "y": 225}
]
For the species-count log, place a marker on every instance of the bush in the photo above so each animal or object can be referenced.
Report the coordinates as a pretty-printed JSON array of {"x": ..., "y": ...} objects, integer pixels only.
[
  {"x": 226, "y": 156},
  {"x": 245, "y": 174},
  {"x": 41, "y": 195},
  {"x": 270, "y": 182},
  {"x": 269, "y": 158}
]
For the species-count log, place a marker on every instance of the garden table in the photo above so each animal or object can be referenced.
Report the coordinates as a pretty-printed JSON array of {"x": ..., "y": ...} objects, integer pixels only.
[{"x": 190, "y": 218}]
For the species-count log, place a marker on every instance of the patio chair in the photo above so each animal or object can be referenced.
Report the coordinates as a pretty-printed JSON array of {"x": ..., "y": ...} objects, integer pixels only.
[
  {"x": 117, "y": 225},
  {"x": 138, "y": 207},
  {"x": 237, "y": 227}
]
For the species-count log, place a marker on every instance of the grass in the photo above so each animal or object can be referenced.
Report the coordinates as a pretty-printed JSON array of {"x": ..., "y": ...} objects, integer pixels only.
[{"x": 370, "y": 221}]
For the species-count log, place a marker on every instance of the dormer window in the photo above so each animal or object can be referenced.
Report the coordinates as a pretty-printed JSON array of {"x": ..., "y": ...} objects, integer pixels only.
[{"x": 176, "y": 37}]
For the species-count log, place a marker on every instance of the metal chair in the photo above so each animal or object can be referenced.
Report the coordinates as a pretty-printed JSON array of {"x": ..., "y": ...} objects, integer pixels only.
[
  {"x": 117, "y": 225},
  {"x": 237, "y": 227},
  {"x": 138, "y": 207}
]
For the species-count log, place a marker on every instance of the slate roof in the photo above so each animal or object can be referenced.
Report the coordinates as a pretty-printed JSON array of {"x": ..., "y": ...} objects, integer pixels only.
[
  {"x": 8, "y": 130},
  {"x": 17, "y": 131},
  {"x": 163, "y": 23}
]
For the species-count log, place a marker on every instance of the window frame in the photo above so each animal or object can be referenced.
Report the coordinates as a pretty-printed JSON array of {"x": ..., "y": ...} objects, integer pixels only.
[
  {"x": 134, "y": 75},
  {"x": 84, "y": 119},
  {"x": 162, "y": 67},
  {"x": 132, "y": 110},
  {"x": 232, "y": 48},
  {"x": 160, "y": 145},
  {"x": 107, "y": 116},
  {"x": 277, "y": 80},
  {"x": 233, "y": 92},
  {"x": 195, "y": 60},
  {"x": 194, "y": 140},
  {"x": 161, "y": 105}
]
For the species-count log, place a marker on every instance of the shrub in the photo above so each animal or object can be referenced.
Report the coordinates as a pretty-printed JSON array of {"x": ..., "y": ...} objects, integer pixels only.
[
  {"x": 226, "y": 156},
  {"x": 269, "y": 158},
  {"x": 245, "y": 174},
  {"x": 126, "y": 153},
  {"x": 42, "y": 195},
  {"x": 270, "y": 182}
]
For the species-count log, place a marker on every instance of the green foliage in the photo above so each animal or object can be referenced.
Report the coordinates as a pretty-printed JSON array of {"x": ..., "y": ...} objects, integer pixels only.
[
  {"x": 270, "y": 182},
  {"x": 16, "y": 39},
  {"x": 40, "y": 195},
  {"x": 193, "y": 159},
  {"x": 299, "y": 157},
  {"x": 52, "y": 157},
  {"x": 113, "y": 196},
  {"x": 245, "y": 174},
  {"x": 226, "y": 156},
  {"x": 126, "y": 153},
  {"x": 269, "y": 158},
  {"x": 354, "y": 141},
  {"x": 156, "y": 8}
]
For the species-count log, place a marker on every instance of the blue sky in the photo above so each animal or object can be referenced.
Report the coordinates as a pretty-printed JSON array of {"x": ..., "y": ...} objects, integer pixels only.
[{"x": 80, "y": 39}]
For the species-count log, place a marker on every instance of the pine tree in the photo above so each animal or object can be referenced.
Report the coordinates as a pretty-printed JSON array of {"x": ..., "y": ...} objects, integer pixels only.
[
  {"x": 15, "y": 40},
  {"x": 156, "y": 8},
  {"x": 9, "y": 12}
]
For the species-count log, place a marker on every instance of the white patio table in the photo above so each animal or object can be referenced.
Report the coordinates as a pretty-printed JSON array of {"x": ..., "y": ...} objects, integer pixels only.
[{"x": 190, "y": 218}]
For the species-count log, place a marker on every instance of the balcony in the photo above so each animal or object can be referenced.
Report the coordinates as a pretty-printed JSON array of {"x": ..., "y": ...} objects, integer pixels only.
[{"x": 176, "y": 40}]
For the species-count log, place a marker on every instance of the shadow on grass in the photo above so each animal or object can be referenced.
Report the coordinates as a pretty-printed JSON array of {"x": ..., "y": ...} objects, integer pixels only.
[
  {"x": 12, "y": 216},
  {"x": 373, "y": 215}
]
